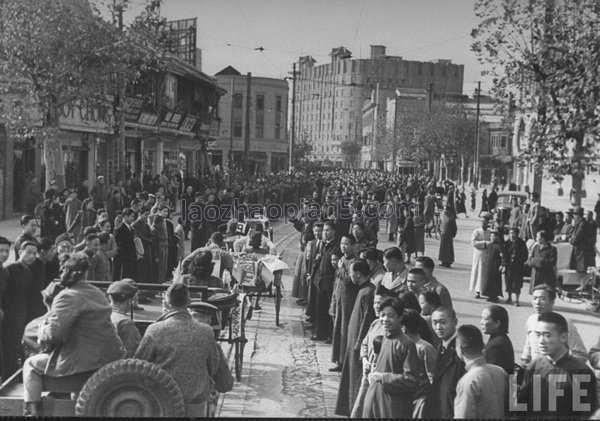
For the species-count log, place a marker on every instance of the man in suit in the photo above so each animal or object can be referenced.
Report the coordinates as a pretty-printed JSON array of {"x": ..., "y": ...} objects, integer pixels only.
[
  {"x": 310, "y": 253},
  {"x": 449, "y": 369},
  {"x": 323, "y": 281},
  {"x": 126, "y": 258}
]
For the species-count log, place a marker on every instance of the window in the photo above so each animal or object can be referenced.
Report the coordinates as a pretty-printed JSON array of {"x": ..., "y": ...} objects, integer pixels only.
[
  {"x": 277, "y": 130},
  {"x": 503, "y": 141},
  {"x": 260, "y": 102},
  {"x": 260, "y": 122},
  {"x": 432, "y": 69},
  {"x": 237, "y": 101},
  {"x": 278, "y": 103},
  {"x": 237, "y": 128}
]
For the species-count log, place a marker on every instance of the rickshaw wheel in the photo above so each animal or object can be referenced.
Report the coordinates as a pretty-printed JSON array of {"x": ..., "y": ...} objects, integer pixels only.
[
  {"x": 240, "y": 340},
  {"x": 277, "y": 302}
]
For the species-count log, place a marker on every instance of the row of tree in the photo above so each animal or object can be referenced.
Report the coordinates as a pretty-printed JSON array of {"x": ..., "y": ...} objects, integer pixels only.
[
  {"x": 445, "y": 133},
  {"x": 58, "y": 52}
]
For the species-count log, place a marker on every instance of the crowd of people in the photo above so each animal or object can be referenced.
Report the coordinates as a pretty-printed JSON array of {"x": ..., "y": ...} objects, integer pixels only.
[
  {"x": 394, "y": 334},
  {"x": 391, "y": 324}
]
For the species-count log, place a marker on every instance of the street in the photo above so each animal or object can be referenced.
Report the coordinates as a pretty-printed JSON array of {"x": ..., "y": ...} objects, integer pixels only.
[{"x": 286, "y": 374}]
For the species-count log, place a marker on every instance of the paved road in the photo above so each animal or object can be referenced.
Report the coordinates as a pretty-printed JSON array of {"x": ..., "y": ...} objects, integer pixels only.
[{"x": 285, "y": 373}]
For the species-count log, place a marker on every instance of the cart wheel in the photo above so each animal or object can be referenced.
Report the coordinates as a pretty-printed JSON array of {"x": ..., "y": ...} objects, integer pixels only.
[
  {"x": 277, "y": 302},
  {"x": 239, "y": 358},
  {"x": 240, "y": 340}
]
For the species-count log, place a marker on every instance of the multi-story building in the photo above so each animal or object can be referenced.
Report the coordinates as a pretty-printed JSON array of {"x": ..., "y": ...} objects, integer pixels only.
[
  {"x": 330, "y": 97},
  {"x": 267, "y": 137}
]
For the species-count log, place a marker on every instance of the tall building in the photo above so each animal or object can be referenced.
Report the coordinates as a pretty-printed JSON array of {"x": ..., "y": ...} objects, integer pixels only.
[
  {"x": 267, "y": 136},
  {"x": 330, "y": 97}
]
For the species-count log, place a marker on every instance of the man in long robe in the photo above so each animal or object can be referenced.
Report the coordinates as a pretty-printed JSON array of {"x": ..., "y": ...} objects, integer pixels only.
[
  {"x": 362, "y": 316},
  {"x": 393, "y": 381},
  {"x": 480, "y": 239}
]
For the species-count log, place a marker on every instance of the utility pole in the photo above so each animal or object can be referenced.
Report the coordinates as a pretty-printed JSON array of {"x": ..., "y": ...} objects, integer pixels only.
[
  {"x": 293, "y": 137},
  {"x": 476, "y": 158},
  {"x": 121, "y": 155},
  {"x": 232, "y": 90},
  {"x": 247, "y": 126}
]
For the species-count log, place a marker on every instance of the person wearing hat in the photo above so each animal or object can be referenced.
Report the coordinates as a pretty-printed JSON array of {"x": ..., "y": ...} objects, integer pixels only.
[
  {"x": 480, "y": 240},
  {"x": 53, "y": 217},
  {"x": 185, "y": 349},
  {"x": 120, "y": 296},
  {"x": 583, "y": 254}
]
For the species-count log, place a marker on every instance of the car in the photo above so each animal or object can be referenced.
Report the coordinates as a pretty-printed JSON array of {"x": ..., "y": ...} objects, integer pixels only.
[{"x": 504, "y": 205}]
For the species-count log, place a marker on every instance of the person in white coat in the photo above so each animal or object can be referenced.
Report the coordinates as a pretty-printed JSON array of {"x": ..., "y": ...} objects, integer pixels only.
[{"x": 480, "y": 240}]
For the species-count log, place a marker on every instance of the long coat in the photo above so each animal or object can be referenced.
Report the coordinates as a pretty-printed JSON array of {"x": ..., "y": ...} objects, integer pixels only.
[
  {"x": 79, "y": 329},
  {"x": 346, "y": 296},
  {"x": 515, "y": 256},
  {"x": 581, "y": 258},
  {"x": 407, "y": 237},
  {"x": 449, "y": 369},
  {"x": 499, "y": 351},
  {"x": 478, "y": 241},
  {"x": 543, "y": 266},
  {"x": 491, "y": 282},
  {"x": 126, "y": 258},
  {"x": 358, "y": 327},
  {"x": 419, "y": 230},
  {"x": 449, "y": 229},
  {"x": 392, "y": 397}
]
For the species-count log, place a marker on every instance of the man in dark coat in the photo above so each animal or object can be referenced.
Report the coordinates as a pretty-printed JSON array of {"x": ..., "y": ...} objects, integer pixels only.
[
  {"x": 15, "y": 306},
  {"x": 449, "y": 369},
  {"x": 310, "y": 255},
  {"x": 126, "y": 258},
  {"x": 448, "y": 230},
  {"x": 491, "y": 282},
  {"x": 142, "y": 230},
  {"x": 361, "y": 318},
  {"x": 515, "y": 256},
  {"x": 581, "y": 258},
  {"x": 323, "y": 280}
]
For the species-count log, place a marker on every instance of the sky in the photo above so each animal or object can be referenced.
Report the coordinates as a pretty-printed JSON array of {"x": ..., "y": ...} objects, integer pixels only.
[{"x": 230, "y": 30}]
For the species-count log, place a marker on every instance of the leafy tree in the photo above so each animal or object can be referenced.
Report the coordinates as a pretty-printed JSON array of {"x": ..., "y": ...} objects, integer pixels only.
[
  {"x": 58, "y": 52},
  {"x": 350, "y": 151},
  {"x": 547, "y": 55}
]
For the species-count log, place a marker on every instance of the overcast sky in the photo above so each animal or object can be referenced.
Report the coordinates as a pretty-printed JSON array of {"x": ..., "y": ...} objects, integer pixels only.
[{"x": 230, "y": 30}]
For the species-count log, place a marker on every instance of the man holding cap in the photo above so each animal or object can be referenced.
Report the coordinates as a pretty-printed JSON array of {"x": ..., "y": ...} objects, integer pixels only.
[
  {"x": 480, "y": 240},
  {"x": 120, "y": 296},
  {"x": 583, "y": 254}
]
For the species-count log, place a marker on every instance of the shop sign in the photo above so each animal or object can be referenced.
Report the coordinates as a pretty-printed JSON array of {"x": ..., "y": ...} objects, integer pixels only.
[
  {"x": 204, "y": 130},
  {"x": 171, "y": 121},
  {"x": 133, "y": 108},
  {"x": 148, "y": 119},
  {"x": 189, "y": 122},
  {"x": 82, "y": 117}
]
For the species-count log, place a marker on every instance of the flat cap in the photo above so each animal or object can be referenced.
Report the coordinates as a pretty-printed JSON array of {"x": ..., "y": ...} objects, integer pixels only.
[{"x": 123, "y": 287}]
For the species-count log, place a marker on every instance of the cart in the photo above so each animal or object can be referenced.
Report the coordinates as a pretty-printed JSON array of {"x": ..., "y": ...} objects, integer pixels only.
[{"x": 260, "y": 275}]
